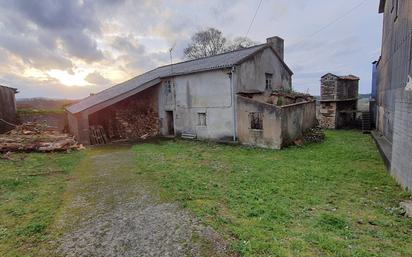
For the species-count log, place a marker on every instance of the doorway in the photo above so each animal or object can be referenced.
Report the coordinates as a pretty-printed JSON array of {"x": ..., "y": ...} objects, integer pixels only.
[{"x": 170, "y": 123}]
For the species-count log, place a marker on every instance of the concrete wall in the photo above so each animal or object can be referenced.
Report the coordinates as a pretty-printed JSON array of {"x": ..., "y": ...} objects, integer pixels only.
[
  {"x": 394, "y": 64},
  {"x": 271, "y": 134},
  {"x": 250, "y": 75},
  {"x": 7, "y": 108},
  {"x": 206, "y": 92},
  {"x": 296, "y": 119},
  {"x": 401, "y": 165},
  {"x": 281, "y": 125}
]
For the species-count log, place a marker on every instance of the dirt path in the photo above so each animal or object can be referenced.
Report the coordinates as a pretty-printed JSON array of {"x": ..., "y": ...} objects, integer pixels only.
[{"x": 109, "y": 211}]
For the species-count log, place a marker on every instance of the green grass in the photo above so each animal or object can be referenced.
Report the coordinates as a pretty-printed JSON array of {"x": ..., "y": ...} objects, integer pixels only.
[
  {"x": 31, "y": 192},
  {"x": 329, "y": 199},
  {"x": 26, "y": 111}
]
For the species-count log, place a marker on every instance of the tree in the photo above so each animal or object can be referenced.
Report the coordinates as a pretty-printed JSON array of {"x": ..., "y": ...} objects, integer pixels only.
[
  {"x": 239, "y": 43},
  {"x": 211, "y": 42},
  {"x": 205, "y": 43}
]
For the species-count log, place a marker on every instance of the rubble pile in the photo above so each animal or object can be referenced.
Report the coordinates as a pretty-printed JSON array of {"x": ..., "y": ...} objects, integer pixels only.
[
  {"x": 314, "y": 135},
  {"x": 36, "y": 137}
]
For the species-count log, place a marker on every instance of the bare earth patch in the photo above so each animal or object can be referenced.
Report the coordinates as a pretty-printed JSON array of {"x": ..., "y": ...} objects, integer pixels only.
[{"x": 110, "y": 211}]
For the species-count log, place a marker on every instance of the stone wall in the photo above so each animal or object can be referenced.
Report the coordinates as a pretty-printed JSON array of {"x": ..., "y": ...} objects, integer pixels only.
[
  {"x": 280, "y": 127},
  {"x": 401, "y": 166},
  {"x": 327, "y": 114}
]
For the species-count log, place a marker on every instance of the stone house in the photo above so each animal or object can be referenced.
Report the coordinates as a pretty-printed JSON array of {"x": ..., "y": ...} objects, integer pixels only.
[
  {"x": 208, "y": 98},
  {"x": 338, "y": 100},
  {"x": 8, "y": 110},
  {"x": 393, "y": 103}
]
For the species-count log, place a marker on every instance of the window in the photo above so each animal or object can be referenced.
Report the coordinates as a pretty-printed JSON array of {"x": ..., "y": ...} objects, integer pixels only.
[
  {"x": 201, "y": 119},
  {"x": 168, "y": 86},
  {"x": 269, "y": 78},
  {"x": 393, "y": 6},
  {"x": 256, "y": 120}
]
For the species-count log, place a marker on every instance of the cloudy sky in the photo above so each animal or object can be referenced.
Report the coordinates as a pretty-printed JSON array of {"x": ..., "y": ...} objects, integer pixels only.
[{"x": 70, "y": 48}]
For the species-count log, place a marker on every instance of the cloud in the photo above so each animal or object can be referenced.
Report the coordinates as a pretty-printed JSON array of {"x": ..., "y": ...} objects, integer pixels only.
[
  {"x": 96, "y": 78},
  {"x": 109, "y": 41}
]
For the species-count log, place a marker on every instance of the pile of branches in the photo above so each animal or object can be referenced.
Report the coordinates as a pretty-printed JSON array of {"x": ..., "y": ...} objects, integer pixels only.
[
  {"x": 36, "y": 137},
  {"x": 314, "y": 135}
]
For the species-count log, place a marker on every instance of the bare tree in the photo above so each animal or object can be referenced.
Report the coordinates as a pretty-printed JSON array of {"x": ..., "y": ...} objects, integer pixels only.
[
  {"x": 211, "y": 42},
  {"x": 240, "y": 43},
  {"x": 205, "y": 43}
]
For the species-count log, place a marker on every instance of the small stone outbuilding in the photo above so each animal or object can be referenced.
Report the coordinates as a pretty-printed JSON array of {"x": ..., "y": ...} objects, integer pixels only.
[
  {"x": 8, "y": 110},
  {"x": 338, "y": 100}
]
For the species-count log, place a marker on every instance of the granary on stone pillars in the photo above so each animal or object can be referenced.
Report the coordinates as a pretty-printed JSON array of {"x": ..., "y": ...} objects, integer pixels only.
[{"x": 338, "y": 100}]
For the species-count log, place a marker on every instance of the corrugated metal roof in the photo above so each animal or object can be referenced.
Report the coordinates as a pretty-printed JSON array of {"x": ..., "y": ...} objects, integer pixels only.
[{"x": 203, "y": 64}]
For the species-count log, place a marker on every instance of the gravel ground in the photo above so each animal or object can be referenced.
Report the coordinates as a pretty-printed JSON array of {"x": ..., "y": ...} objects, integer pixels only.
[{"x": 110, "y": 212}]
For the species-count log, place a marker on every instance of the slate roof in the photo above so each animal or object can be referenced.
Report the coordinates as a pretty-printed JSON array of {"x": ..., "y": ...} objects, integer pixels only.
[
  {"x": 346, "y": 77},
  {"x": 225, "y": 60}
]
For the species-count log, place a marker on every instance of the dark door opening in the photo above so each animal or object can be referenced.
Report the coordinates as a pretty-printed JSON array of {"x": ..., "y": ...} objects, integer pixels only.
[{"x": 170, "y": 123}]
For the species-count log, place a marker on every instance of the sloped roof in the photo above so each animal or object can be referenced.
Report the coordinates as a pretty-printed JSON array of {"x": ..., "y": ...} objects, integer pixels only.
[
  {"x": 346, "y": 77},
  {"x": 225, "y": 60}
]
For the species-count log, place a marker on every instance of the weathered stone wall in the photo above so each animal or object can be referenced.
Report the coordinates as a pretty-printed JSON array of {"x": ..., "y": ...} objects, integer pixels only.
[
  {"x": 250, "y": 75},
  {"x": 395, "y": 63},
  {"x": 270, "y": 136},
  {"x": 7, "y": 108},
  {"x": 401, "y": 166},
  {"x": 296, "y": 119},
  {"x": 327, "y": 115},
  {"x": 131, "y": 118},
  {"x": 208, "y": 93},
  {"x": 328, "y": 87},
  {"x": 280, "y": 125}
]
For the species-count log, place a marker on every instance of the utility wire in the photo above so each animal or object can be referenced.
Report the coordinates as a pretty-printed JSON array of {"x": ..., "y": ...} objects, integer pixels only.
[{"x": 253, "y": 19}]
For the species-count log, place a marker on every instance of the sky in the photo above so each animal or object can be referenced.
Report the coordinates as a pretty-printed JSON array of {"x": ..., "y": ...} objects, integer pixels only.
[{"x": 71, "y": 48}]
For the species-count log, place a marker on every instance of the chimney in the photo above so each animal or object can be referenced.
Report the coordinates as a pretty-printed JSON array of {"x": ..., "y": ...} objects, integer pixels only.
[{"x": 277, "y": 44}]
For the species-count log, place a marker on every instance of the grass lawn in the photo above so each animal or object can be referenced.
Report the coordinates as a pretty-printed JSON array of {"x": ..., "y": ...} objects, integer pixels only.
[
  {"x": 31, "y": 191},
  {"x": 328, "y": 199}
]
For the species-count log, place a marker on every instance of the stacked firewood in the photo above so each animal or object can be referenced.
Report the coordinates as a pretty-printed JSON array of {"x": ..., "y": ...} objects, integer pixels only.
[
  {"x": 36, "y": 137},
  {"x": 137, "y": 125}
]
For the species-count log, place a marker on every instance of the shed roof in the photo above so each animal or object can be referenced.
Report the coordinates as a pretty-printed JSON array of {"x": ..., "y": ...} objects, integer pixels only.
[{"x": 220, "y": 61}]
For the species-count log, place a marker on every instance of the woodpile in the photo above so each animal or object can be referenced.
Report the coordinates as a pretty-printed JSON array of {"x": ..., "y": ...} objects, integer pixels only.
[
  {"x": 141, "y": 125},
  {"x": 36, "y": 137}
]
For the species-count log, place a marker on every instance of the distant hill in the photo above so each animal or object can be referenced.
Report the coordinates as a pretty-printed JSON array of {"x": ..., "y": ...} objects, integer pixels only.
[{"x": 43, "y": 103}]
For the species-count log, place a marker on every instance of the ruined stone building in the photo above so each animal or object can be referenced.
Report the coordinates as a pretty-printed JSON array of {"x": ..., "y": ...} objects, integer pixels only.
[
  {"x": 393, "y": 100},
  {"x": 338, "y": 100},
  {"x": 234, "y": 96},
  {"x": 8, "y": 113}
]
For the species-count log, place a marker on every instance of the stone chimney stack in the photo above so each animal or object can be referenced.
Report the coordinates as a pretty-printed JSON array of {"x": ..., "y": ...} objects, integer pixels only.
[{"x": 278, "y": 44}]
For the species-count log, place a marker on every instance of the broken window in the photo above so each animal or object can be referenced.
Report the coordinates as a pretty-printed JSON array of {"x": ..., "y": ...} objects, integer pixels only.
[
  {"x": 269, "y": 78},
  {"x": 201, "y": 119},
  {"x": 168, "y": 86},
  {"x": 256, "y": 120}
]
